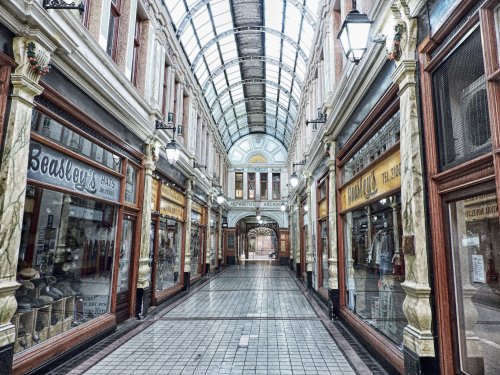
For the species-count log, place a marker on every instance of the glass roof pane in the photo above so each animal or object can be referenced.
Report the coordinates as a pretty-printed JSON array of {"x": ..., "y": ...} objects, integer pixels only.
[
  {"x": 176, "y": 9},
  {"x": 292, "y": 22},
  {"x": 273, "y": 14},
  {"x": 273, "y": 46}
]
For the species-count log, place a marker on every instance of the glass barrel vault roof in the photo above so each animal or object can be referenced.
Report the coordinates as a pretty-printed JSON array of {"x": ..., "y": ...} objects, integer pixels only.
[{"x": 250, "y": 59}]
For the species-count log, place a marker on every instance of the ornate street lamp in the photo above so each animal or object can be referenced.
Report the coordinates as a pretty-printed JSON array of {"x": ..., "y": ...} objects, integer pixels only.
[
  {"x": 283, "y": 207},
  {"x": 173, "y": 151},
  {"x": 354, "y": 34},
  {"x": 294, "y": 179},
  {"x": 220, "y": 199}
]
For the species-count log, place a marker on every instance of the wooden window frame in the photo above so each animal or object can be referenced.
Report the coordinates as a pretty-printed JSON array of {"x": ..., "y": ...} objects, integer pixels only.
[
  {"x": 324, "y": 181},
  {"x": 464, "y": 177},
  {"x": 272, "y": 186},
  {"x": 254, "y": 181},
  {"x": 136, "y": 49},
  {"x": 236, "y": 174},
  {"x": 115, "y": 12},
  {"x": 166, "y": 77},
  {"x": 264, "y": 192}
]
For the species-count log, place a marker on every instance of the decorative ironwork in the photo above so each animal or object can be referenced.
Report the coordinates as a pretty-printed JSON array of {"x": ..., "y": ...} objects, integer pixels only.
[
  {"x": 320, "y": 119},
  {"x": 61, "y": 4},
  {"x": 160, "y": 125},
  {"x": 273, "y": 226},
  {"x": 198, "y": 165}
]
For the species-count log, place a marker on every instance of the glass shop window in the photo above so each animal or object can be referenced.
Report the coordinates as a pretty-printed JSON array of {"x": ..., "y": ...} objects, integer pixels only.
[
  {"x": 196, "y": 243},
  {"x": 126, "y": 250},
  {"x": 51, "y": 129},
  {"x": 323, "y": 232},
  {"x": 65, "y": 264},
  {"x": 169, "y": 254},
  {"x": 475, "y": 253},
  {"x": 131, "y": 185},
  {"x": 251, "y": 185},
  {"x": 263, "y": 186},
  {"x": 462, "y": 119},
  {"x": 276, "y": 186},
  {"x": 375, "y": 266},
  {"x": 238, "y": 186}
]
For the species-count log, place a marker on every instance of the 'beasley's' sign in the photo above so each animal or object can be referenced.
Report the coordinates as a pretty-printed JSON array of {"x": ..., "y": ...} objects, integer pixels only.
[
  {"x": 52, "y": 167},
  {"x": 383, "y": 177}
]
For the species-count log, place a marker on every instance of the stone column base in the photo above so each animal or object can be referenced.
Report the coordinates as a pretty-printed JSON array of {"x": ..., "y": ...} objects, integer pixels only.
[
  {"x": 415, "y": 365},
  {"x": 6, "y": 358},
  {"x": 207, "y": 269},
  {"x": 309, "y": 280},
  {"x": 187, "y": 281},
  {"x": 142, "y": 303},
  {"x": 298, "y": 271},
  {"x": 334, "y": 296}
]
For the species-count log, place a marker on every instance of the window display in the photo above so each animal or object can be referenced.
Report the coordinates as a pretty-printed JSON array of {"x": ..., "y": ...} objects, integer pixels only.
[
  {"x": 475, "y": 250},
  {"x": 323, "y": 227},
  {"x": 169, "y": 254},
  {"x": 196, "y": 241},
  {"x": 375, "y": 266},
  {"x": 65, "y": 264},
  {"x": 125, "y": 254}
]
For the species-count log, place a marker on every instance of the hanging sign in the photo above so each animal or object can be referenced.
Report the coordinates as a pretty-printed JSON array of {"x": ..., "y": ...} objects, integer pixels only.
[
  {"x": 385, "y": 176},
  {"x": 55, "y": 168},
  {"x": 172, "y": 195}
]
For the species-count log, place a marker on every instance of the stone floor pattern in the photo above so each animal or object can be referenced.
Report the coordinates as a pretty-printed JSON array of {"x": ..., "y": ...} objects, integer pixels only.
[{"x": 251, "y": 319}]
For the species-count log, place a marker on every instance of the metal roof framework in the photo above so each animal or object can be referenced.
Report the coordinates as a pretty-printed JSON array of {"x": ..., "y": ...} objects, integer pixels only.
[{"x": 250, "y": 59}]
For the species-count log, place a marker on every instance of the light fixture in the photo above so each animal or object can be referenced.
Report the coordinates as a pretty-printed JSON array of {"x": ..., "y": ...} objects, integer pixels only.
[
  {"x": 173, "y": 151},
  {"x": 354, "y": 34},
  {"x": 116, "y": 159},
  {"x": 383, "y": 201},
  {"x": 283, "y": 207},
  {"x": 61, "y": 4},
  {"x": 260, "y": 221},
  {"x": 220, "y": 199},
  {"x": 258, "y": 216},
  {"x": 306, "y": 208},
  {"x": 294, "y": 179}
]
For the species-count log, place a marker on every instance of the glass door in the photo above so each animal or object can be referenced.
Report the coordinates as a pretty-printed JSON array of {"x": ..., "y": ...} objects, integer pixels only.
[{"x": 124, "y": 268}]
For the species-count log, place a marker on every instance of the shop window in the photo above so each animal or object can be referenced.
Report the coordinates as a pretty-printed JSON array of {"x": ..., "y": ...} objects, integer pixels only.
[
  {"x": 276, "y": 186},
  {"x": 51, "y": 129},
  {"x": 263, "y": 186},
  {"x": 114, "y": 20},
  {"x": 323, "y": 232},
  {"x": 65, "y": 264},
  {"x": 475, "y": 253},
  {"x": 126, "y": 249},
  {"x": 238, "y": 185},
  {"x": 131, "y": 185},
  {"x": 462, "y": 119},
  {"x": 169, "y": 254},
  {"x": 195, "y": 251},
  {"x": 251, "y": 185},
  {"x": 375, "y": 266}
]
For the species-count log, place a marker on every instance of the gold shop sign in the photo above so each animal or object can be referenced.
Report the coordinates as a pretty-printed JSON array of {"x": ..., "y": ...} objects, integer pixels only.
[
  {"x": 172, "y": 195},
  {"x": 154, "y": 194},
  {"x": 483, "y": 207},
  {"x": 196, "y": 207},
  {"x": 385, "y": 176},
  {"x": 171, "y": 209}
]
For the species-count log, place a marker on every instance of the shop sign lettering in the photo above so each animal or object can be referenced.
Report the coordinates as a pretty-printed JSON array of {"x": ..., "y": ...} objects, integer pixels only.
[
  {"x": 154, "y": 195},
  {"x": 196, "y": 207},
  {"x": 171, "y": 209},
  {"x": 383, "y": 177},
  {"x": 172, "y": 195},
  {"x": 53, "y": 167}
]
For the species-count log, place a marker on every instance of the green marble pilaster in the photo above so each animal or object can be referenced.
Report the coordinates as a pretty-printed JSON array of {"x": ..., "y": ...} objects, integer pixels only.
[
  {"x": 417, "y": 335},
  {"x": 144, "y": 268},
  {"x": 13, "y": 171},
  {"x": 187, "y": 242}
]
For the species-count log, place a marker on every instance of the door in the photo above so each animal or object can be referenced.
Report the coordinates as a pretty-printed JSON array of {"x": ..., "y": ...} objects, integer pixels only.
[{"x": 124, "y": 287}]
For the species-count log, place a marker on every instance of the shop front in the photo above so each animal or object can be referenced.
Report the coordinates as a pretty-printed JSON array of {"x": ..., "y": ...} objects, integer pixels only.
[
  {"x": 460, "y": 86},
  {"x": 167, "y": 240},
  {"x": 198, "y": 235},
  {"x": 79, "y": 239},
  {"x": 214, "y": 238},
  {"x": 322, "y": 190},
  {"x": 371, "y": 260},
  {"x": 303, "y": 219}
]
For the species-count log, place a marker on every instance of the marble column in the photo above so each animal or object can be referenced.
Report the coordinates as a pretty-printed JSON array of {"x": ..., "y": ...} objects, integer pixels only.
[
  {"x": 144, "y": 267},
  {"x": 417, "y": 336},
  {"x": 333, "y": 261},
  {"x": 296, "y": 229},
  {"x": 13, "y": 172},
  {"x": 208, "y": 237},
  {"x": 187, "y": 234},
  {"x": 219, "y": 240},
  {"x": 309, "y": 239}
]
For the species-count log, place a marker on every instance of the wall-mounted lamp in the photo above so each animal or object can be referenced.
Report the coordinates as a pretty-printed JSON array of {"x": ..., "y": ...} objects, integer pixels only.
[
  {"x": 355, "y": 33},
  {"x": 220, "y": 197},
  {"x": 320, "y": 119},
  {"x": 257, "y": 215},
  {"x": 283, "y": 207},
  {"x": 173, "y": 151},
  {"x": 294, "y": 179},
  {"x": 61, "y": 4}
]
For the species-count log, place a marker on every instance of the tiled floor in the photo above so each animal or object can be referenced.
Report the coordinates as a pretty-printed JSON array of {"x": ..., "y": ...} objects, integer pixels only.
[{"x": 251, "y": 319}]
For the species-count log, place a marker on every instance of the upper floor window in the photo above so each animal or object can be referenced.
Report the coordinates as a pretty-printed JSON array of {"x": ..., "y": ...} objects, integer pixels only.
[
  {"x": 114, "y": 21},
  {"x": 131, "y": 185},
  {"x": 137, "y": 45},
  {"x": 238, "y": 185},
  {"x": 276, "y": 186},
  {"x": 166, "y": 77},
  {"x": 263, "y": 186},
  {"x": 251, "y": 186}
]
